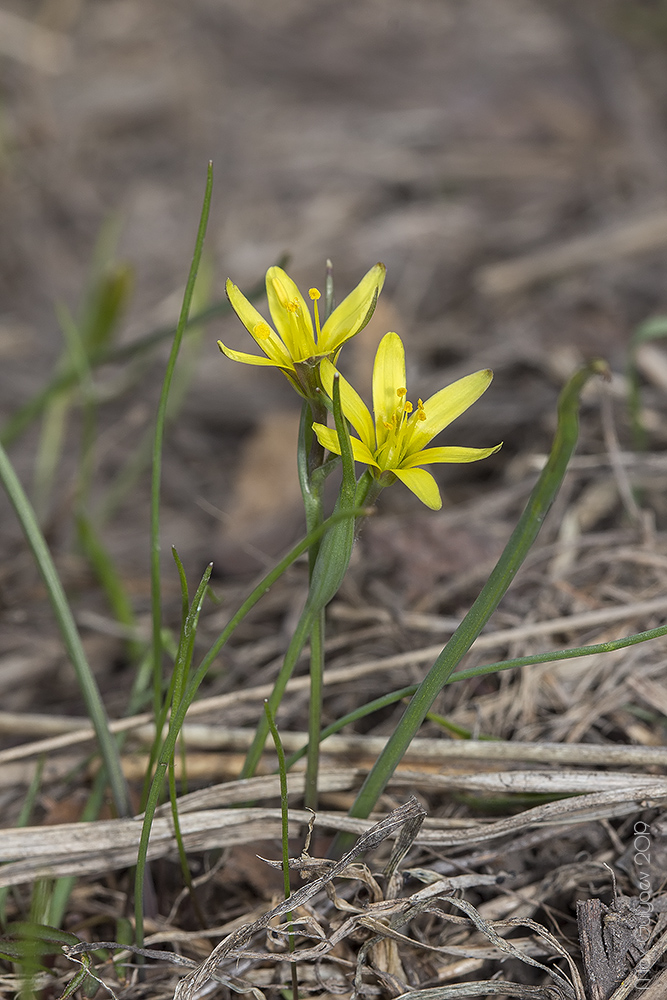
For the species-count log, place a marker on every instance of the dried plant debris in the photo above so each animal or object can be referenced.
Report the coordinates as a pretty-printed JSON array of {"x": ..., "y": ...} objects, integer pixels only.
[
  {"x": 431, "y": 928},
  {"x": 354, "y": 926}
]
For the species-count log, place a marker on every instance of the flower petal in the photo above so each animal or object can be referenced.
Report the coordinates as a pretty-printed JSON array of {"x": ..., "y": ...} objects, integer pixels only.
[
  {"x": 422, "y": 484},
  {"x": 448, "y": 404},
  {"x": 429, "y": 456},
  {"x": 245, "y": 311},
  {"x": 354, "y": 312},
  {"x": 362, "y": 454},
  {"x": 328, "y": 438},
  {"x": 251, "y": 359},
  {"x": 352, "y": 404},
  {"x": 290, "y": 314},
  {"x": 272, "y": 346},
  {"x": 388, "y": 376}
]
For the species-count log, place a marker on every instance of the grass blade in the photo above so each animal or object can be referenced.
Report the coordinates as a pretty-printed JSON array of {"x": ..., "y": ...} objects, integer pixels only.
[
  {"x": 156, "y": 596},
  {"x": 69, "y": 632},
  {"x": 500, "y": 579}
]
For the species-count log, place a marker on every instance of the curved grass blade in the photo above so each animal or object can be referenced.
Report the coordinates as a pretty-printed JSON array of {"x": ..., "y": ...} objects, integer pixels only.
[
  {"x": 70, "y": 633},
  {"x": 156, "y": 597}
]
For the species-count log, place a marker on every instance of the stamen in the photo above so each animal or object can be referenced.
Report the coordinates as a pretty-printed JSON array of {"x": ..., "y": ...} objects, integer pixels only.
[
  {"x": 315, "y": 295},
  {"x": 292, "y": 306},
  {"x": 262, "y": 331},
  {"x": 421, "y": 413},
  {"x": 407, "y": 407},
  {"x": 401, "y": 392}
]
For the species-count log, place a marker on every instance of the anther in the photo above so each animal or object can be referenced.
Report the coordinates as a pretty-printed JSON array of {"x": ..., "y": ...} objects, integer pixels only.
[
  {"x": 262, "y": 331},
  {"x": 314, "y": 294}
]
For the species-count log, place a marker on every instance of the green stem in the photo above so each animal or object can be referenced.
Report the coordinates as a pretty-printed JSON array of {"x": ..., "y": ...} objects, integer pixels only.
[
  {"x": 311, "y": 458},
  {"x": 500, "y": 579},
  {"x": 284, "y": 815},
  {"x": 330, "y": 567},
  {"x": 317, "y": 634},
  {"x": 156, "y": 597},
  {"x": 68, "y": 630}
]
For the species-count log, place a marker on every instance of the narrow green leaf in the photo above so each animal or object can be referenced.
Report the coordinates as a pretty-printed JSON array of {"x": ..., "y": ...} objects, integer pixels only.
[
  {"x": 69, "y": 632},
  {"x": 156, "y": 478},
  {"x": 500, "y": 579}
]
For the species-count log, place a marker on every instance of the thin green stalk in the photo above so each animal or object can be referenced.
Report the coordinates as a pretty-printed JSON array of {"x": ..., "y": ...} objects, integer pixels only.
[
  {"x": 69, "y": 632},
  {"x": 178, "y": 716},
  {"x": 330, "y": 567},
  {"x": 182, "y": 856},
  {"x": 284, "y": 816},
  {"x": 156, "y": 596},
  {"x": 500, "y": 579},
  {"x": 182, "y": 667},
  {"x": 559, "y": 654},
  {"x": 310, "y": 457},
  {"x": 315, "y": 703},
  {"x": 317, "y": 636},
  {"x": 23, "y": 820},
  {"x": 177, "y": 696}
]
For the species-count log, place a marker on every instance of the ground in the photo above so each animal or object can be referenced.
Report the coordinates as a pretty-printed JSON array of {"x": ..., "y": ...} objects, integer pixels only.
[{"x": 507, "y": 161}]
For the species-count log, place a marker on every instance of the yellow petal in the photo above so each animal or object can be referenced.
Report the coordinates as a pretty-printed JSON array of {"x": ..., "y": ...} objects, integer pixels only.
[
  {"x": 429, "y": 456},
  {"x": 290, "y": 314},
  {"x": 448, "y": 404},
  {"x": 388, "y": 376},
  {"x": 354, "y": 312},
  {"x": 250, "y": 359},
  {"x": 362, "y": 454},
  {"x": 352, "y": 404},
  {"x": 251, "y": 319},
  {"x": 422, "y": 484},
  {"x": 328, "y": 438}
]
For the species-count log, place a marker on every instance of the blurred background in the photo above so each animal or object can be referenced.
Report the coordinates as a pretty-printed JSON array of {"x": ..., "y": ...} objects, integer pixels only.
[{"x": 506, "y": 159}]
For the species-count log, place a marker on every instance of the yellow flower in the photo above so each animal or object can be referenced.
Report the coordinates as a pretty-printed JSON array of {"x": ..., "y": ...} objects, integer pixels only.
[
  {"x": 296, "y": 346},
  {"x": 394, "y": 443}
]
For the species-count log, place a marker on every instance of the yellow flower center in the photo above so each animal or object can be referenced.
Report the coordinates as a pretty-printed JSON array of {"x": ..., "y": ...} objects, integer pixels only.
[{"x": 399, "y": 430}]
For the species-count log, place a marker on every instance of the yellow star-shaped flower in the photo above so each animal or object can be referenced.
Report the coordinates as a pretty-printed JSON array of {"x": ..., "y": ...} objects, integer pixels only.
[
  {"x": 394, "y": 443},
  {"x": 296, "y": 346}
]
